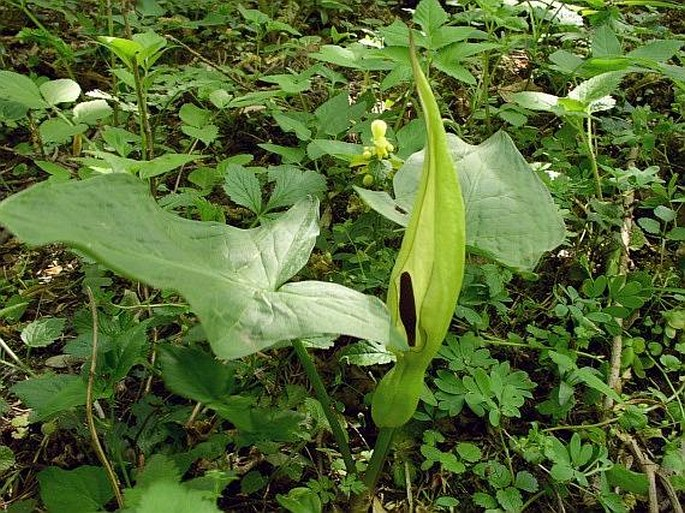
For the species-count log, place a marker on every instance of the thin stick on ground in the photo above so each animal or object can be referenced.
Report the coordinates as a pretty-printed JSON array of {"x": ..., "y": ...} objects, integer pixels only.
[{"x": 114, "y": 482}]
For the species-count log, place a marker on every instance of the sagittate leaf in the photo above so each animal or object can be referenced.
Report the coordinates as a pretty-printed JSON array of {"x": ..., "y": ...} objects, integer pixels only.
[
  {"x": 510, "y": 214},
  {"x": 233, "y": 279}
]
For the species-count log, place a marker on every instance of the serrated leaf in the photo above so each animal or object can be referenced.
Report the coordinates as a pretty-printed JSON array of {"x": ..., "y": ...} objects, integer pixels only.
[
  {"x": 605, "y": 42},
  {"x": 63, "y": 90},
  {"x": 430, "y": 15},
  {"x": 649, "y": 225},
  {"x": 85, "y": 489},
  {"x": 660, "y": 51},
  {"x": 243, "y": 187},
  {"x": 510, "y": 499},
  {"x": 526, "y": 481},
  {"x": 172, "y": 497},
  {"x": 293, "y": 185},
  {"x": 561, "y": 472},
  {"x": 50, "y": 394},
  {"x": 290, "y": 124},
  {"x": 196, "y": 375},
  {"x": 233, "y": 279},
  {"x": 469, "y": 452},
  {"x": 366, "y": 353},
  {"x": 43, "y": 332},
  {"x": 7, "y": 459},
  {"x": 597, "y": 87},
  {"x": 20, "y": 89},
  {"x": 534, "y": 100}
]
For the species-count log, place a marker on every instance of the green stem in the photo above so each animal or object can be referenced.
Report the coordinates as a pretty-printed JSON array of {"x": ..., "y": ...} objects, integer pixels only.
[
  {"x": 380, "y": 454},
  {"x": 145, "y": 128},
  {"x": 326, "y": 404},
  {"x": 593, "y": 158}
]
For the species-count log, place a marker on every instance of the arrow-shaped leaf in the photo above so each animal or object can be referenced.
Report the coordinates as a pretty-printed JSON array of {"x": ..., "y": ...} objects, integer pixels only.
[{"x": 233, "y": 279}]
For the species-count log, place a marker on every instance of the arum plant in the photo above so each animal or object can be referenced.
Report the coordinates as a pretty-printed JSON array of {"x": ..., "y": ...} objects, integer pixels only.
[{"x": 425, "y": 281}]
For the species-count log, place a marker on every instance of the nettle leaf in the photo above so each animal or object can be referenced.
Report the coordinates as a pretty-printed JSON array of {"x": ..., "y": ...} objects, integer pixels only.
[
  {"x": 85, "y": 489},
  {"x": 497, "y": 184},
  {"x": 194, "y": 374},
  {"x": 243, "y": 187},
  {"x": 430, "y": 15},
  {"x": 50, "y": 394},
  {"x": 293, "y": 185},
  {"x": 233, "y": 279},
  {"x": 173, "y": 497}
]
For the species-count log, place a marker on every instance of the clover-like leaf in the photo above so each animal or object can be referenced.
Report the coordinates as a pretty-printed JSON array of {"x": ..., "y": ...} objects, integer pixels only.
[{"x": 233, "y": 279}]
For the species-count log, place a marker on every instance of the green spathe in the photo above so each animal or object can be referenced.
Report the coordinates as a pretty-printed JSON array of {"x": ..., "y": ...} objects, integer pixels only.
[{"x": 426, "y": 280}]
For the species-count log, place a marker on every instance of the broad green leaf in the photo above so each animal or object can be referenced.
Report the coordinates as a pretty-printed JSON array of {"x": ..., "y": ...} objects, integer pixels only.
[
  {"x": 172, "y": 497},
  {"x": 63, "y": 90},
  {"x": 534, "y": 100},
  {"x": 193, "y": 115},
  {"x": 207, "y": 134},
  {"x": 125, "y": 49},
  {"x": 91, "y": 111},
  {"x": 56, "y": 130},
  {"x": 510, "y": 499},
  {"x": 469, "y": 452},
  {"x": 510, "y": 215},
  {"x": 660, "y": 51},
  {"x": 597, "y": 87},
  {"x": 50, "y": 394},
  {"x": 354, "y": 56},
  {"x": 232, "y": 278},
  {"x": 364, "y": 353},
  {"x": 164, "y": 164},
  {"x": 20, "y": 89},
  {"x": 588, "y": 376},
  {"x": 526, "y": 481},
  {"x": 340, "y": 149},
  {"x": 85, "y": 489},
  {"x": 43, "y": 332},
  {"x": 300, "y": 500},
  {"x": 628, "y": 480},
  {"x": 194, "y": 374},
  {"x": 291, "y": 124},
  {"x": 605, "y": 42}
]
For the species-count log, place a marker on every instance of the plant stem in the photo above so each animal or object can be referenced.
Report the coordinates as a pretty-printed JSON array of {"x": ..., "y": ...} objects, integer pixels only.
[
  {"x": 593, "y": 158},
  {"x": 380, "y": 453},
  {"x": 326, "y": 404},
  {"x": 114, "y": 482}
]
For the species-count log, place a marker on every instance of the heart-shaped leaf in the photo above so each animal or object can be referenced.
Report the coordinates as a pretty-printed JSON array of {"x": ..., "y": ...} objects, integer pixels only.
[{"x": 232, "y": 278}]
